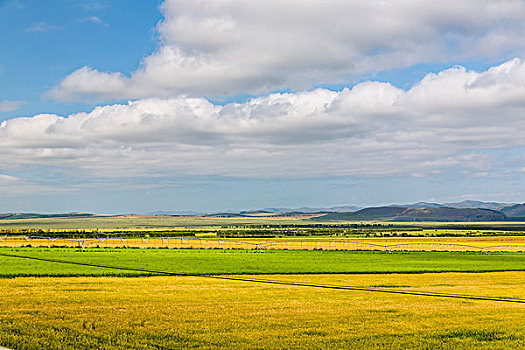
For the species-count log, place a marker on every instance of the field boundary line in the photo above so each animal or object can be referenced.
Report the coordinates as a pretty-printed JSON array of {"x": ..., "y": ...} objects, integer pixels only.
[
  {"x": 373, "y": 289},
  {"x": 290, "y": 283}
]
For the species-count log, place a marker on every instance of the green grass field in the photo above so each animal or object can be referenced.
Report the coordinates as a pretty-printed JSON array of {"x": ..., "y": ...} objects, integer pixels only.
[{"x": 189, "y": 261}]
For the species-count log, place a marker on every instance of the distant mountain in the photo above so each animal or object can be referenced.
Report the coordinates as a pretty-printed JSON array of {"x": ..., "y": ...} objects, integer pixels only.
[
  {"x": 478, "y": 204},
  {"x": 14, "y": 216},
  {"x": 408, "y": 214},
  {"x": 174, "y": 213},
  {"x": 514, "y": 211},
  {"x": 263, "y": 213},
  {"x": 380, "y": 212},
  {"x": 344, "y": 208},
  {"x": 419, "y": 205},
  {"x": 421, "y": 211},
  {"x": 458, "y": 205},
  {"x": 226, "y": 215},
  {"x": 310, "y": 210}
]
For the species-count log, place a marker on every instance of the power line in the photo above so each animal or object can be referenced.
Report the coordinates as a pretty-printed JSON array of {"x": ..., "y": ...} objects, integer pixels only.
[{"x": 281, "y": 282}]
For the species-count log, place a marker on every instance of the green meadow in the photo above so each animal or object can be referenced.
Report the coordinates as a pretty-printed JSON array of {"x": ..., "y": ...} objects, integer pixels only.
[{"x": 218, "y": 261}]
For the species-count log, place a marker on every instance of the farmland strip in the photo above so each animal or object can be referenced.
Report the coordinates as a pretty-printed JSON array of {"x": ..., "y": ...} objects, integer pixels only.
[{"x": 290, "y": 283}]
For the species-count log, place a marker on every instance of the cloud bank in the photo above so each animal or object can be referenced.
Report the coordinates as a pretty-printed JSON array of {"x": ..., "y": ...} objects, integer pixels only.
[
  {"x": 446, "y": 121},
  {"x": 222, "y": 48}
]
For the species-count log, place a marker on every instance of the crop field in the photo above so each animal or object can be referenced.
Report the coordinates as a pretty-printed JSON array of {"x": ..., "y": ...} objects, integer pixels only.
[
  {"x": 225, "y": 285},
  {"x": 191, "y": 261},
  {"x": 196, "y": 312},
  {"x": 476, "y": 244},
  {"x": 177, "y": 223},
  {"x": 140, "y": 222}
]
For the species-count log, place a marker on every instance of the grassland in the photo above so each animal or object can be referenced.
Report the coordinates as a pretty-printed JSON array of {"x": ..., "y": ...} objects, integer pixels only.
[
  {"x": 52, "y": 305},
  {"x": 178, "y": 223},
  {"x": 190, "y": 261},
  {"x": 462, "y": 243},
  {"x": 141, "y": 222},
  {"x": 198, "y": 313}
]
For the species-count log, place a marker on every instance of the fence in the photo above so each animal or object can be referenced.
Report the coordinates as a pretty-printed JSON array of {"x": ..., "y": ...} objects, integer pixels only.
[{"x": 254, "y": 244}]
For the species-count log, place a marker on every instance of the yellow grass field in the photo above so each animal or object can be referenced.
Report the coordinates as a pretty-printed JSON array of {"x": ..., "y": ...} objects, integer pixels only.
[
  {"x": 101, "y": 223},
  {"x": 192, "y": 312},
  {"x": 462, "y": 243}
]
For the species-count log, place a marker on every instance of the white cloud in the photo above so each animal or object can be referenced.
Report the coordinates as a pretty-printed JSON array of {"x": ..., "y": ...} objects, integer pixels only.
[
  {"x": 446, "y": 121},
  {"x": 14, "y": 185},
  {"x": 7, "y": 178},
  {"x": 8, "y": 106},
  {"x": 96, "y": 20},
  {"x": 90, "y": 5},
  {"x": 43, "y": 26},
  {"x": 222, "y": 48}
]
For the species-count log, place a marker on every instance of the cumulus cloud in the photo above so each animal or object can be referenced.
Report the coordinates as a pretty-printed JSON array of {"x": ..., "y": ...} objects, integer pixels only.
[
  {"x": 9, "y": 106},
  {"x": 222, "y": 48},
  {"x": 446, "y": 121}
]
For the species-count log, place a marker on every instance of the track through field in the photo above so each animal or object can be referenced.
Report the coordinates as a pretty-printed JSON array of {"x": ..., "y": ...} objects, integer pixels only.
[{"x": 286, "y": 282}]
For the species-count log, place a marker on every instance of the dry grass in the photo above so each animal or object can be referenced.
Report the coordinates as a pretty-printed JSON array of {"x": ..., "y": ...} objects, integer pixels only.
[
  {"x": 187, "y": 312},
  {"x": 497, "y": 243}
]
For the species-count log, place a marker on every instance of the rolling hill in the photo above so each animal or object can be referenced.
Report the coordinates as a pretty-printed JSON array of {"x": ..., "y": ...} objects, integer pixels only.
[
  {"x": 477, "y": 204},
  {"x": 426, "y": 214},
  {"x": 514, "y": 211},
  {"x": 14, "y": 216}
]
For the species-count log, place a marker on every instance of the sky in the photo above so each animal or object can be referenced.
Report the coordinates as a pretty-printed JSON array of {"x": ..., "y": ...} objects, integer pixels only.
[{"x": 121, "y": 106}]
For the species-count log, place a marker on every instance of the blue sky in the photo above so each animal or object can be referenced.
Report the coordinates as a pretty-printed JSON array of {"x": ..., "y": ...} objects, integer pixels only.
[
  {"x": 44, "y": 41},
  {"x": 139, "y": 106}
]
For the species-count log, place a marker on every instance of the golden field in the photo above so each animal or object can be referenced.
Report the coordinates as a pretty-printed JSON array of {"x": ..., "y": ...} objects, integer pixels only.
[
  {"x": 194, "y": 312},
  {"x": 460, "y": 243}
]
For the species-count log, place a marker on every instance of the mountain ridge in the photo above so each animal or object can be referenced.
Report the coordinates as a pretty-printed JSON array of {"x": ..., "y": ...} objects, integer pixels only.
[
  {"x": 393, "y": 213},
  {"x": 468, "y": 210}
]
